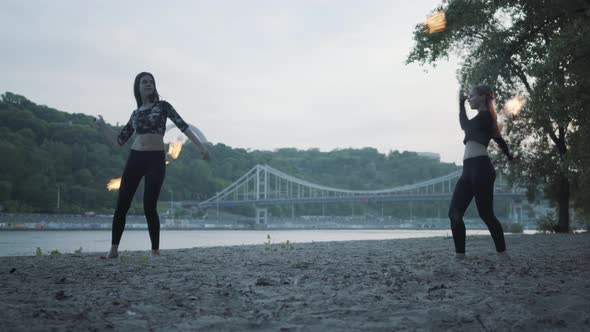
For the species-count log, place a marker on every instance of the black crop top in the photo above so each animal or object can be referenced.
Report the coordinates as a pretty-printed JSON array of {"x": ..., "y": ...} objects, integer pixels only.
[
  {"x": 480, "y": 129},
  {"x": 151, "y": 121}
]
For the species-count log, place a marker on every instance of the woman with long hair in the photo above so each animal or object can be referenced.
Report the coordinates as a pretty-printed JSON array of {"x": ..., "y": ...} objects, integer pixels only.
[
  {"x": 478, "y": 175},
  {"x": 147, "y": 156}
]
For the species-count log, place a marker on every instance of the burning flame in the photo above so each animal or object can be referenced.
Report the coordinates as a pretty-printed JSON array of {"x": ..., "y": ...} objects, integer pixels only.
[
  {"x": 514, "y": 105},
  {"x": 174, "y": 149},
  {"x": 435, "y": 23},
  {"x": 114, "y": 184}
]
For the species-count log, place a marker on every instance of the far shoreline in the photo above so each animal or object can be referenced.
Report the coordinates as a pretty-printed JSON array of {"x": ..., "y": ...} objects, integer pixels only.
[{"x": 68, "y": 242}]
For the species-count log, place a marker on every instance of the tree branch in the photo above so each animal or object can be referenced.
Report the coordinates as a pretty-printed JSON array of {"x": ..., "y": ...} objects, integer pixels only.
[
  {"x": 474, "y": 33},
  {"x": 562, "y": 147},
  {"x": 521, "y": 74},
  {"x": 552, "y": 135},
  {"x": 523, "y": 38},
  {"x": 530, "y": 34}
]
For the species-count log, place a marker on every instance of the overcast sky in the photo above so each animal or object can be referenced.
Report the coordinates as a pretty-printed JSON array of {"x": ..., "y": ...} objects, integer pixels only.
[{"x": 248, "y": 73}]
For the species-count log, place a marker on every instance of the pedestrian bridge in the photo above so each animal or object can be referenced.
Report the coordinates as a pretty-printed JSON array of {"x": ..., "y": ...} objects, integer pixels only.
[{"x": 265, "y": 186}]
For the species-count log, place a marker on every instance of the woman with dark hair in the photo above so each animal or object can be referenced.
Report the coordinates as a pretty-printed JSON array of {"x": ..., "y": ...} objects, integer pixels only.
[
  {"x": 147, "y": 156},
  {"x": 478, "y": 175}
]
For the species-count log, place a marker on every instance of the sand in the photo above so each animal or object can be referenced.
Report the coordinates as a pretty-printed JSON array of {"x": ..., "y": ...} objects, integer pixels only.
[{"x": 388, "y": 285}]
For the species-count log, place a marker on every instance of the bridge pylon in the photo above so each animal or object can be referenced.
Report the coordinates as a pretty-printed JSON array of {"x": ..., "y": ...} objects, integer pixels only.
[
  {"x": 261, "y": 182},
  {"x": 261, "y": 217}
]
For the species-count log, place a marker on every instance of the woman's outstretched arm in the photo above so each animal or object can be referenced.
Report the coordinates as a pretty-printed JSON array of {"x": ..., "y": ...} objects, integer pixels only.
[
  {"x": 191, "y": 135},
  {"x": 503, "y": 145},
  {"x": 185, "y": 128}
]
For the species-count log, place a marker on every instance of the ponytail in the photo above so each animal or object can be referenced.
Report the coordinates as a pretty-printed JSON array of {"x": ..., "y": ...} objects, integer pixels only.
[
  {"x": 492, "y": 108},
  {"x": 487, "y": 91}
]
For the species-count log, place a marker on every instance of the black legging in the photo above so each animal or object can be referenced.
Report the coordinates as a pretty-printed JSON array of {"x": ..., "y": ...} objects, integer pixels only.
[
  {"x": 477, "y": 180},
  {"x": 152, "y": 165}
]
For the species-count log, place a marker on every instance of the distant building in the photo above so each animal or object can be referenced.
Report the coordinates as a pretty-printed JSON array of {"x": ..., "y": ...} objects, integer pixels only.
[{"x": 431, "y": 155}]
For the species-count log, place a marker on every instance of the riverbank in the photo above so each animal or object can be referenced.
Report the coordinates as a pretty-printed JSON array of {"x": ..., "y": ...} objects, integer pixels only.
[
  {"x": 52, "y": 222},
  {"x": 27, "y": 243},
  {"x": 403, "y": 284}
]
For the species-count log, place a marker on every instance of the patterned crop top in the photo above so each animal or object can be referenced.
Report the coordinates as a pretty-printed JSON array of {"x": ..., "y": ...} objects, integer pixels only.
[{"x": 151, "y": 121}]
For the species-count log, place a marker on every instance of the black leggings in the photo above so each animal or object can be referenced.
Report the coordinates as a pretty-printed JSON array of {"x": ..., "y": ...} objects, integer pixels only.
[
  {"x": 477, "y": 180},
  {"x": 152, "y": 165}
]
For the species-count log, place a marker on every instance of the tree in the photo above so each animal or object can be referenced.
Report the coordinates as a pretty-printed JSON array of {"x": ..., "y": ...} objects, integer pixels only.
[
  {"x": 538, "y": 49},
  {"x": 17, "y": 100}
]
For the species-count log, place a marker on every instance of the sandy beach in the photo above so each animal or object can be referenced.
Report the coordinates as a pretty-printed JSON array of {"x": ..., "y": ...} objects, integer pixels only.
[{"x": 388, "y": 285}]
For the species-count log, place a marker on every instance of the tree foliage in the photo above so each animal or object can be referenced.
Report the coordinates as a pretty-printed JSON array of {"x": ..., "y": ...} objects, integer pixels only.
[
  {"x": 539, "y": 49},
  {"x": 44, "y": 149}
]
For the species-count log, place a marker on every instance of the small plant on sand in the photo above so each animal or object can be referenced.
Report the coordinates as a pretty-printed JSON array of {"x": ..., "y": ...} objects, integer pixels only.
[
  {"x": 78, "y": 251},
  {"x": 283, "y": 246},
  {"x": 287, "y": 246},
  {"x": 38, "y": 252},
  {"x": 267, "y": 244},
  {"x": 54, "y": 252}
]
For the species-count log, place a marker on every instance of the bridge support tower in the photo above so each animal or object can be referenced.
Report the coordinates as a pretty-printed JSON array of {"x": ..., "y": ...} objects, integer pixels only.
[{"x": 261, "y": 218}]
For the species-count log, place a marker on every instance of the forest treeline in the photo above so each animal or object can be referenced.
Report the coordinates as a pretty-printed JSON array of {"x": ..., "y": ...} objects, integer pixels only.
[{"x": 46, "y": 152}]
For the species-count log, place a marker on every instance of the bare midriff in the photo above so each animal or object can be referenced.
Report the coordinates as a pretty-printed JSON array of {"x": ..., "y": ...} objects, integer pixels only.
[
  {"x": 149, "y": 142},
  {"x": 474, "y": 149}
]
